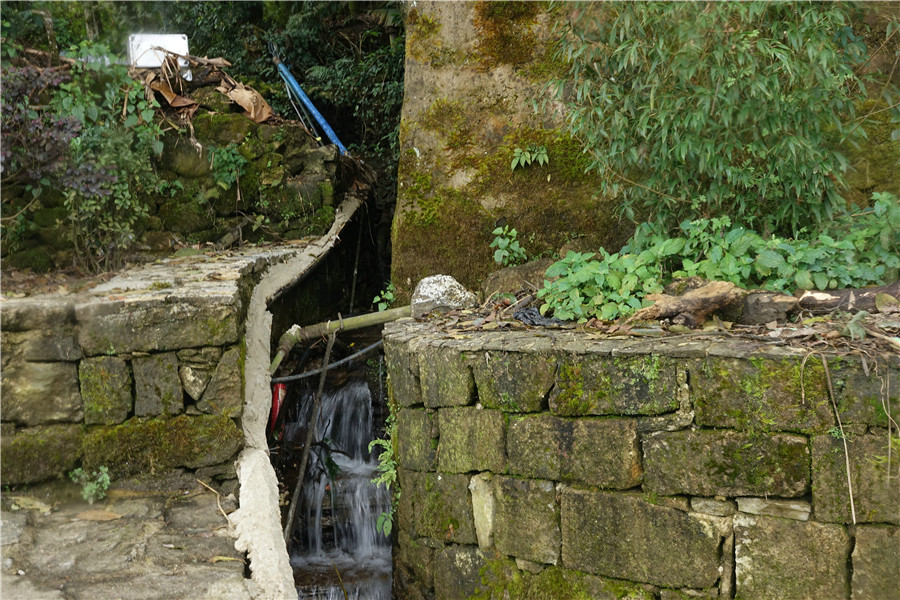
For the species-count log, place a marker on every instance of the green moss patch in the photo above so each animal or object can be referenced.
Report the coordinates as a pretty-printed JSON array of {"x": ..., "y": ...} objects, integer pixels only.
[
  {"x": 506, "y": 31},
  {"x": 40, "y": 453},
  {"x": 154, "y": 445}
]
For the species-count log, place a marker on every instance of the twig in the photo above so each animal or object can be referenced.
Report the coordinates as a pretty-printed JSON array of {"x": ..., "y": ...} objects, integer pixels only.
[
  {"x": 218, "y": 497},
  {"x": 340, "y": 580},
  {"x": 836, "y": 416},
  {"x": 881, "y": 336}
]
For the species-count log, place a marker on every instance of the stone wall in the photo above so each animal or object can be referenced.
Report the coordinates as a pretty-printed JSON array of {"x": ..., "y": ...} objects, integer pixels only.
[
  {"x": 141, "y": 374},
  {"x": 556, "y": 464}
]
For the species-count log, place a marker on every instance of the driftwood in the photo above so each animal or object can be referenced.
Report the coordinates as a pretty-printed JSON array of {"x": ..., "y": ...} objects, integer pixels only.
[
  {"x": 693, "y": 307},
  {"x": 849, "y": 299}
]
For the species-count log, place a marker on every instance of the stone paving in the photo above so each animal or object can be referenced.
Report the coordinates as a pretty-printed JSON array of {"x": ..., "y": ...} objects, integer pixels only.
[{"x": 171, "y": 540}]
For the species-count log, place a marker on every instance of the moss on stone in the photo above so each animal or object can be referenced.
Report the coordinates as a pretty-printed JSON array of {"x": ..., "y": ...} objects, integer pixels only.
[
  {"x": 155, "y": 445},
  {"x": 505, "y": 32},
  {"x": 40, "y": 453},
  {"x": 221, "y": 129},
  {"x": 421, "y": 31}
]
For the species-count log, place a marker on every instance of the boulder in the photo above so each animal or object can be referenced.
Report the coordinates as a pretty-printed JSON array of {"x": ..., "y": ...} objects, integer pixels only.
[{"x": 441, "y": 293}]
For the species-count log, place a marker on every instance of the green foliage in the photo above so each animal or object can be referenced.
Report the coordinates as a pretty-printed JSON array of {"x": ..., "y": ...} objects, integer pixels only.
[
  {"x": 384, "y": 299},
  {"x": 227, "y": 165},
  {"x": 109, "y": 168},
  {"x": 93, "y": 485},
  {"x": 508, "y": 250},
  {"x": 743, "y": 103},
  {"x": 524, "y": 158},
  {"x": 854, "y": 251},
  {"x": 387, "y": 470}
]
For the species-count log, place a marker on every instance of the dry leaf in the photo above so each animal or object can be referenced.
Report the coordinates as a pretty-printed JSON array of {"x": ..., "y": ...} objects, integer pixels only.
[
  {"x": 250, "y": 100},
  {"x": 216, "y": 559},
  {"x": 98, "y": 515},
  {"x": 28, "y": 503}
]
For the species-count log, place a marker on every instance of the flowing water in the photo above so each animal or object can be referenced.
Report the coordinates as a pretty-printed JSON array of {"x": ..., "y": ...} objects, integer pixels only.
[{"x": 337, "y": 551}]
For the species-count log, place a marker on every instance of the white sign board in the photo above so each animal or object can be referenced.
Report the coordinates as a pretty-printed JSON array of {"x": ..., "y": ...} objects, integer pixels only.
[{"x": 142, "y": 55}]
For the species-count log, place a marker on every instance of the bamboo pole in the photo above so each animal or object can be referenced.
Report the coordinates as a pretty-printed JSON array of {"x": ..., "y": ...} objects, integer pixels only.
[{"x": 297, "y": 334}]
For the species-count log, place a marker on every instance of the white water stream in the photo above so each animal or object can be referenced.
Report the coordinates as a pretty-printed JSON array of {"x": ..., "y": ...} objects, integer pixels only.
[{"x": 340, "y": 509}]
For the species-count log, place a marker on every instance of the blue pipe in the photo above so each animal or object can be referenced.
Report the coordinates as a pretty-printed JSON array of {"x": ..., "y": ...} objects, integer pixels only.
[{"x": 298, "y": 91}]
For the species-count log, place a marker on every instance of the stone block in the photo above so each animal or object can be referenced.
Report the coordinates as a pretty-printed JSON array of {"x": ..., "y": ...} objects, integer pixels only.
[
  {"x": 105, "y": 389},
  {"x": 876, "y": 563},
  {"x": 40, "y": 393},
  {"x": 601, "y": 452},
  {"x": 786, "y": 509},
  {"x": 403, "y": 370},
  {"x": 781, "y": 559},
  {"x": 195, "y": 378},
  {"x": 436, "y": 506},
  {"x": 471, "y": 439},
  {"x": 861, "y": 397},
  {"x": 445, "y": 377},
  {"x": 526, "y": 519},
  {"x": 513, "y": 382},
  {"x": 456, "y": 572},
  {"x": 51, "y": 346},
  {"x": 601, "y": 385},
  {"x": 40, "y": 453},
  {"x": 416, "y": 558},
  {"x": 156, "y": 445},
  {"x": 157, "y": 385},
  {"x": 617, "y": 534},
  {"x": 760, "y": 394},
  {"x": 36, "y": 313},
  {"x": 730, "y": 463},
  {"x": 157, "y": 325},
  {"x": 876, "y": 496},
  {"x": 713, "y": 506},
  {"x": 482, "y": 489},
  {"x": 225, "y": 392},
  {"x": 415, "y": 446}
]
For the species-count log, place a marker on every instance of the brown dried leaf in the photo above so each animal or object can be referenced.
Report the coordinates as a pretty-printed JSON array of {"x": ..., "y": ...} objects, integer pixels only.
[{"x": 98, "y": 515}]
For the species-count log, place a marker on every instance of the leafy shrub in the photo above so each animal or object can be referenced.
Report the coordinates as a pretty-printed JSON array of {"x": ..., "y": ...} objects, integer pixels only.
[
  {"x": 93, "y": 485},
  {"x": 508, "y": 250},
  {"x": 524, "y": 158},
  {"x": 227, "y": 165},
  {"x": 740, "y": 102},
  {"x": 385, "y": 298},
  {"x": 854, "y": 251}
]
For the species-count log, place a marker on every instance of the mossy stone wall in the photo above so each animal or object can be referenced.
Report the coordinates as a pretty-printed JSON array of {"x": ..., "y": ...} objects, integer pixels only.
[{"x": 555, "y": 464}]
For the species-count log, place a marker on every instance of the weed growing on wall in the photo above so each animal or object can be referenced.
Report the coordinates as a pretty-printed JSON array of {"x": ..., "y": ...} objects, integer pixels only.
[{"x": 93, "y": 484}]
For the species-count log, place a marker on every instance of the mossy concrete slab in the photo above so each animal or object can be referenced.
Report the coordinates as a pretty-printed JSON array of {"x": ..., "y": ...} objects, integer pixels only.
[
  {"x": 471, "y": 439},
  {"x": 619, "y": 535},
  {"x": 526, "y": 519},
  {"x": 726, "y": 463},
  {"x": 105, "y": 389},
  {"x": 39, "y": 393},
  {"x": 415, "y": 444},
  {"x": 876, "y": 496},
  {"x": 761, "y": 394},
  {"x": 403, "y": 370},
  {"x": 157, "y": 445},
  {"x": 446, "y": 377},
  {"x": 225, "y": 392},
  {"x": 39, "y": 453},
  {"x": 782, "y": 559},
  {"x": 436, "y": 506},
  {"x": 513, "y": 382},
  {"x": 456, "y": 573},
  {"x": 600, "y": 385},
  {"x": 601, "y": 452},
  {"x": 157, "y": 385},
  {"x": 876, "y": 563}
]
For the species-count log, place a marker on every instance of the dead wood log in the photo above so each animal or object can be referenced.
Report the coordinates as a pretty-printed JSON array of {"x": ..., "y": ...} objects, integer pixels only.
[
  {"x": 693, "y": 307},
  {"x": 848, "y": 299}
]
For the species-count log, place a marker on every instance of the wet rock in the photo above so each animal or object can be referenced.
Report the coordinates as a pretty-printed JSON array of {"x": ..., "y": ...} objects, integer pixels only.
[
  {"x": 157, "y": 385},
  {"x": 13, "y": 524},
  {"x": 37, "y": 393},
  {"x": 105, "y": 389},
  {"x": 436, "y": 506},
  {"x": 440, "y": 292}
]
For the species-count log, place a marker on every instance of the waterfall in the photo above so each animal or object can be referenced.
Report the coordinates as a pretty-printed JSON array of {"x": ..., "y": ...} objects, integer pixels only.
[{"x": 340, "y": 504}]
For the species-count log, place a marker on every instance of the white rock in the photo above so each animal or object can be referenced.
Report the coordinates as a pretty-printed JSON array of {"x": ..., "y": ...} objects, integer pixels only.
[{"x": 440, "y": 292}]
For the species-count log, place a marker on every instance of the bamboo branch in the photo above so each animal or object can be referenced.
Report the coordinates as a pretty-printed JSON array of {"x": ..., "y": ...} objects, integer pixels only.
[{"x": 297, "y": 334}]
